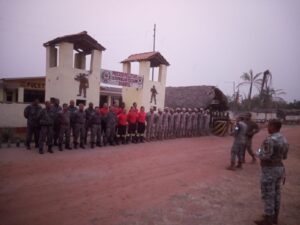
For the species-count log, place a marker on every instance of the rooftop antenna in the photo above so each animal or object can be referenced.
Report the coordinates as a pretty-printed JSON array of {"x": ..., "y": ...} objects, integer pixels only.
[{"x": 154, "y": 36}]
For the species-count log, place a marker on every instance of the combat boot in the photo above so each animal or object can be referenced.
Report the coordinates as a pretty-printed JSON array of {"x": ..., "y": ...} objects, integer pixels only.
[
  {"x": 75, "y": 145},
  {"x": 231, "y": 167},
  {"x": 142, "y": 139},
  {"x": 60, "y": 147},
  {"x": 28, "y": 146},
  {"x": 41, "y": 151},
  {"x": 267, "y": 220},
  {"x": 81, "y": 146},
  {"x": 123, "y": 140},
  {"x": 239, "y": 165},
  {"x": 67, "y": 146},
  {"x": 92, "y": 145},
  {"x": 50, "y": 149}
]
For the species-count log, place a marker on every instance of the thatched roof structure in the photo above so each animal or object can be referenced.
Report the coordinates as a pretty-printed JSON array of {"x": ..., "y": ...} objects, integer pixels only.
[{"x": 196, "y": 97}]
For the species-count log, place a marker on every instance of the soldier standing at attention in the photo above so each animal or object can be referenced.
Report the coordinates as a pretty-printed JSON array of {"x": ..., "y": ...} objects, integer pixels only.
[
  {"x": 132, "y": 125},
  {"x": 177, "y": 123},
  {"x": 111, "y": 121},
  {"x": 183, "y": 122},
  {"x": 195, "y": 122},
  {"x": 64, "y": 122},
  {"x": 80, "y": 120},
  {"x": 46, "y": 120},
  {"x": 151, "y": 118},
  {"x": 171, "y": 131},
  {"x": 165, "y": 123},
  {"x": 252, "y": 129},
  {"x": 104, "y": 110},
  {"x": 56, "y": 126},
  {"x": 239, "y": 142},
  {"x": 31, "y": 113},
  {"x": 141, "y": 124},
  {"x": 189, "y": 123},
  {"x": 159, "y": 125},
  {"x": 89, "y": 112},
  {"x": 72, "y": 109},
  {"x": 95, "y": 122},
  {"x": 273, "y": 150},
  {"x": 122, "y": 127}
]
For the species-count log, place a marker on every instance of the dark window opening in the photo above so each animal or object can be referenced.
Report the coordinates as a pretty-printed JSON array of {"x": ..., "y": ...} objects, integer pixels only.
[
  {"x": 79, "y": 101},
  {"x": 103, "y": 99},
  {"x": 31, "y": 95}
]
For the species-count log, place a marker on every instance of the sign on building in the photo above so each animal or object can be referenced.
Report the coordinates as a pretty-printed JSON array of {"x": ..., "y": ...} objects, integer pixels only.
[{"x": 121, "y": 79}]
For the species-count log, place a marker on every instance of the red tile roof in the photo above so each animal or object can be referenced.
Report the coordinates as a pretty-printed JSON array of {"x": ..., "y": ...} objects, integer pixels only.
[
  {"x": 80, "y": 40},
  {"x": 155, "y": 58}
]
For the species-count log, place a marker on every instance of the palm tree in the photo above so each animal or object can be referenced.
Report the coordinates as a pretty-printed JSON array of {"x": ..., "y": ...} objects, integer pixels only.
[
  {"x": 270, "y": 95},
  {"x": 252, "y": 81}
]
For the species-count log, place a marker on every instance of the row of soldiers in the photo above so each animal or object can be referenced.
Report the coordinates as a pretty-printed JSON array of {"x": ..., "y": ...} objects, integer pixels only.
[{"x": 108, "y": 125}]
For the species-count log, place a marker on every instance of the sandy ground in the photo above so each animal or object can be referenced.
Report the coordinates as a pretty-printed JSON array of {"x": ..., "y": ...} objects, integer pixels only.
[{"x": 174, "y": 182}]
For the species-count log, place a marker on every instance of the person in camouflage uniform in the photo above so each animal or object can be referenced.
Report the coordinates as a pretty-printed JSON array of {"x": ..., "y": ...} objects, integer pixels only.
[
  {"x": 79, "y": 120},
  {"x": 159, "y": 125},
  {"x": 189, "y": 123},
  {"x": 177, "y": 123},
  {"x": 151, "y": 119},
  {"x": 72, "y": 109},
  {"x": 171, "y": 132},
  {"x": 95, "y": 123},
  {"x": 239, "y": 142},
  {"x": 195, "y": 122},
  {"x": 31, "y": 113},
  {"x": 183, "y": 115},
  {"x": 89, "y": 112},
  {"x": 252, "y": 129},
  {"x": 201, "y": 121},
  {"x": 111, "y": 123},
  {"x": 64, "y": 122},
  {"x": 165, "y": 123},
  {"x": 272, "y": 152},
  {"x": 56, "y": 125},
  {"x": 46, "y": 121}
]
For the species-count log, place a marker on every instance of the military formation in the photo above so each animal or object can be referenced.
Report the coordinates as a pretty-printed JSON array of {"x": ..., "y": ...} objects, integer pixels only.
[{"x": 54, "y": 125}]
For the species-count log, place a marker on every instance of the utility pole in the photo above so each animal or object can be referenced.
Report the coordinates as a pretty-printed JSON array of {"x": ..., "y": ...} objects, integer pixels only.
[{"x": 154, "y": 36}]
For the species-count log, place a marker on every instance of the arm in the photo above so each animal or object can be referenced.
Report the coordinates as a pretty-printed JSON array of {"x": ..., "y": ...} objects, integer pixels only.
[{"x": 266, "y": 150}]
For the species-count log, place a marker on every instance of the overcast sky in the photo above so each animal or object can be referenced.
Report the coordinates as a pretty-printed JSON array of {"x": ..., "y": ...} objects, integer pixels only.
[{"x": 207, "y": 42}]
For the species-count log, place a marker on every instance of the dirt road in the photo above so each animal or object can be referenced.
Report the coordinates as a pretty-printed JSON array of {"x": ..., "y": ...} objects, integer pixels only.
[{"x": 174, "y": 182}]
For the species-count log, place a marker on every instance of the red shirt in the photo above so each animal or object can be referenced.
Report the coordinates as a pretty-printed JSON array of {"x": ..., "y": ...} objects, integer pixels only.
[
  {"x": 104, "y": 111},
  {"x": 122, "y": 119},
  {"x": 141, "y": 117},
  {"x": 117, "y": 110},
  {"x": 132, "y": 116}
]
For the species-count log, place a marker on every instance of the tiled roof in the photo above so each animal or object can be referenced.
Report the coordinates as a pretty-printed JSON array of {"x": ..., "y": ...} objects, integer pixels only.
[
  {"x": 80, "y": 40},
  {"x": 155, "y": 58}
]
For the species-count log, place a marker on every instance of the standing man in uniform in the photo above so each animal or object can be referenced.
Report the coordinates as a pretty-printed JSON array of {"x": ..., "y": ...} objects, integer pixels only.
[
  {"x": 177, "y": 123},
  {"x": 159, "y": 125},
  {"x": 64, "y": 122},
  {"x": 132, "y": 125},
  {"x": 151, "y": 118},
  {"x": 72, "y": 109},
  {"x": 189, "y": 123},
  {"x": 89, "y": 112},
  {"x": 111, "y": 120},
  {"x": 239, "y": 142},
  {"x": 56, "y": 126},
  {"x": 104, "y": 111},
  {"x": 46, "y": 121},
  {"x": 273, "y": 151},
  {"x": 252, "y": 129},
  {"x": 171, "y": 132},
  {"x": 95, "y": 122},
  {"x": 183, "y": 115},
  {"x": 80, "y": 120},
  {"x": 165, "y": 123},
  {"x": 122, "y": 127},
  {"x": 31, "y": 113}
]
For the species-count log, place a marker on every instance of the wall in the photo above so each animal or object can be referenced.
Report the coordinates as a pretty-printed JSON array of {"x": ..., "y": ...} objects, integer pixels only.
[
  {"x": 12, "y": 115},
  {"x": 60, "y": 82}
]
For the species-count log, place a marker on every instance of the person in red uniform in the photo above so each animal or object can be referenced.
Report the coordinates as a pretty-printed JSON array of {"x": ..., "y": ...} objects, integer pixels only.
[
  {"x": 134, "y": 105},
  {"x": 117, "y": 110},
  {"x": 132, "y": 122},
  {"x": 141, "y": 124},
  {"x": 122, "y": 127}
]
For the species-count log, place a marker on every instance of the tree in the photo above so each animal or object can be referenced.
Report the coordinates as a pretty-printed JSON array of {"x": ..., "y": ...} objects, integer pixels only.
[{"x": 252, "y": 81}]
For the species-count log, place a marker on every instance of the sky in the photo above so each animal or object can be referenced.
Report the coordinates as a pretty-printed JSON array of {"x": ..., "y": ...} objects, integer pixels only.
[{"x": 206, "y": 42}]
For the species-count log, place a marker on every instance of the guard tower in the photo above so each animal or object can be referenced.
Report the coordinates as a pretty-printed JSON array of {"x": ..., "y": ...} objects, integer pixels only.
[
  {"x": 73, "y": 64},
  {"x": 143, "y": 96}
]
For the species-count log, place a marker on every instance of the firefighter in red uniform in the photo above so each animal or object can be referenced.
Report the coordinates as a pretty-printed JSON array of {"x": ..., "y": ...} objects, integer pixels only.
[
  {"x": 122, "y": 127},
  {"x": 132, "y": 122},
  {"x": 141, "y": 124}
]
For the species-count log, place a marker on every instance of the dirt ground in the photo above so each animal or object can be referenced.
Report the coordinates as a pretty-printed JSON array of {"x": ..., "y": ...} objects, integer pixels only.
[{"x": 175, "y": 182}]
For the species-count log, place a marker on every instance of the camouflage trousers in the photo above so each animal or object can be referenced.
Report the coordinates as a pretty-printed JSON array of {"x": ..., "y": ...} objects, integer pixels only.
[
  {"x": 64, "y": 132},
  {"x": 150, "y": 131},
  {"x": 270, "y": 188},
  {"x": 96, "y": 134},
  {"x": 46, "y": 133},
  {"x": 79, "y": 132},
  {"x": 248, "y": 147},
  {"x": 237, "y": 152}
]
